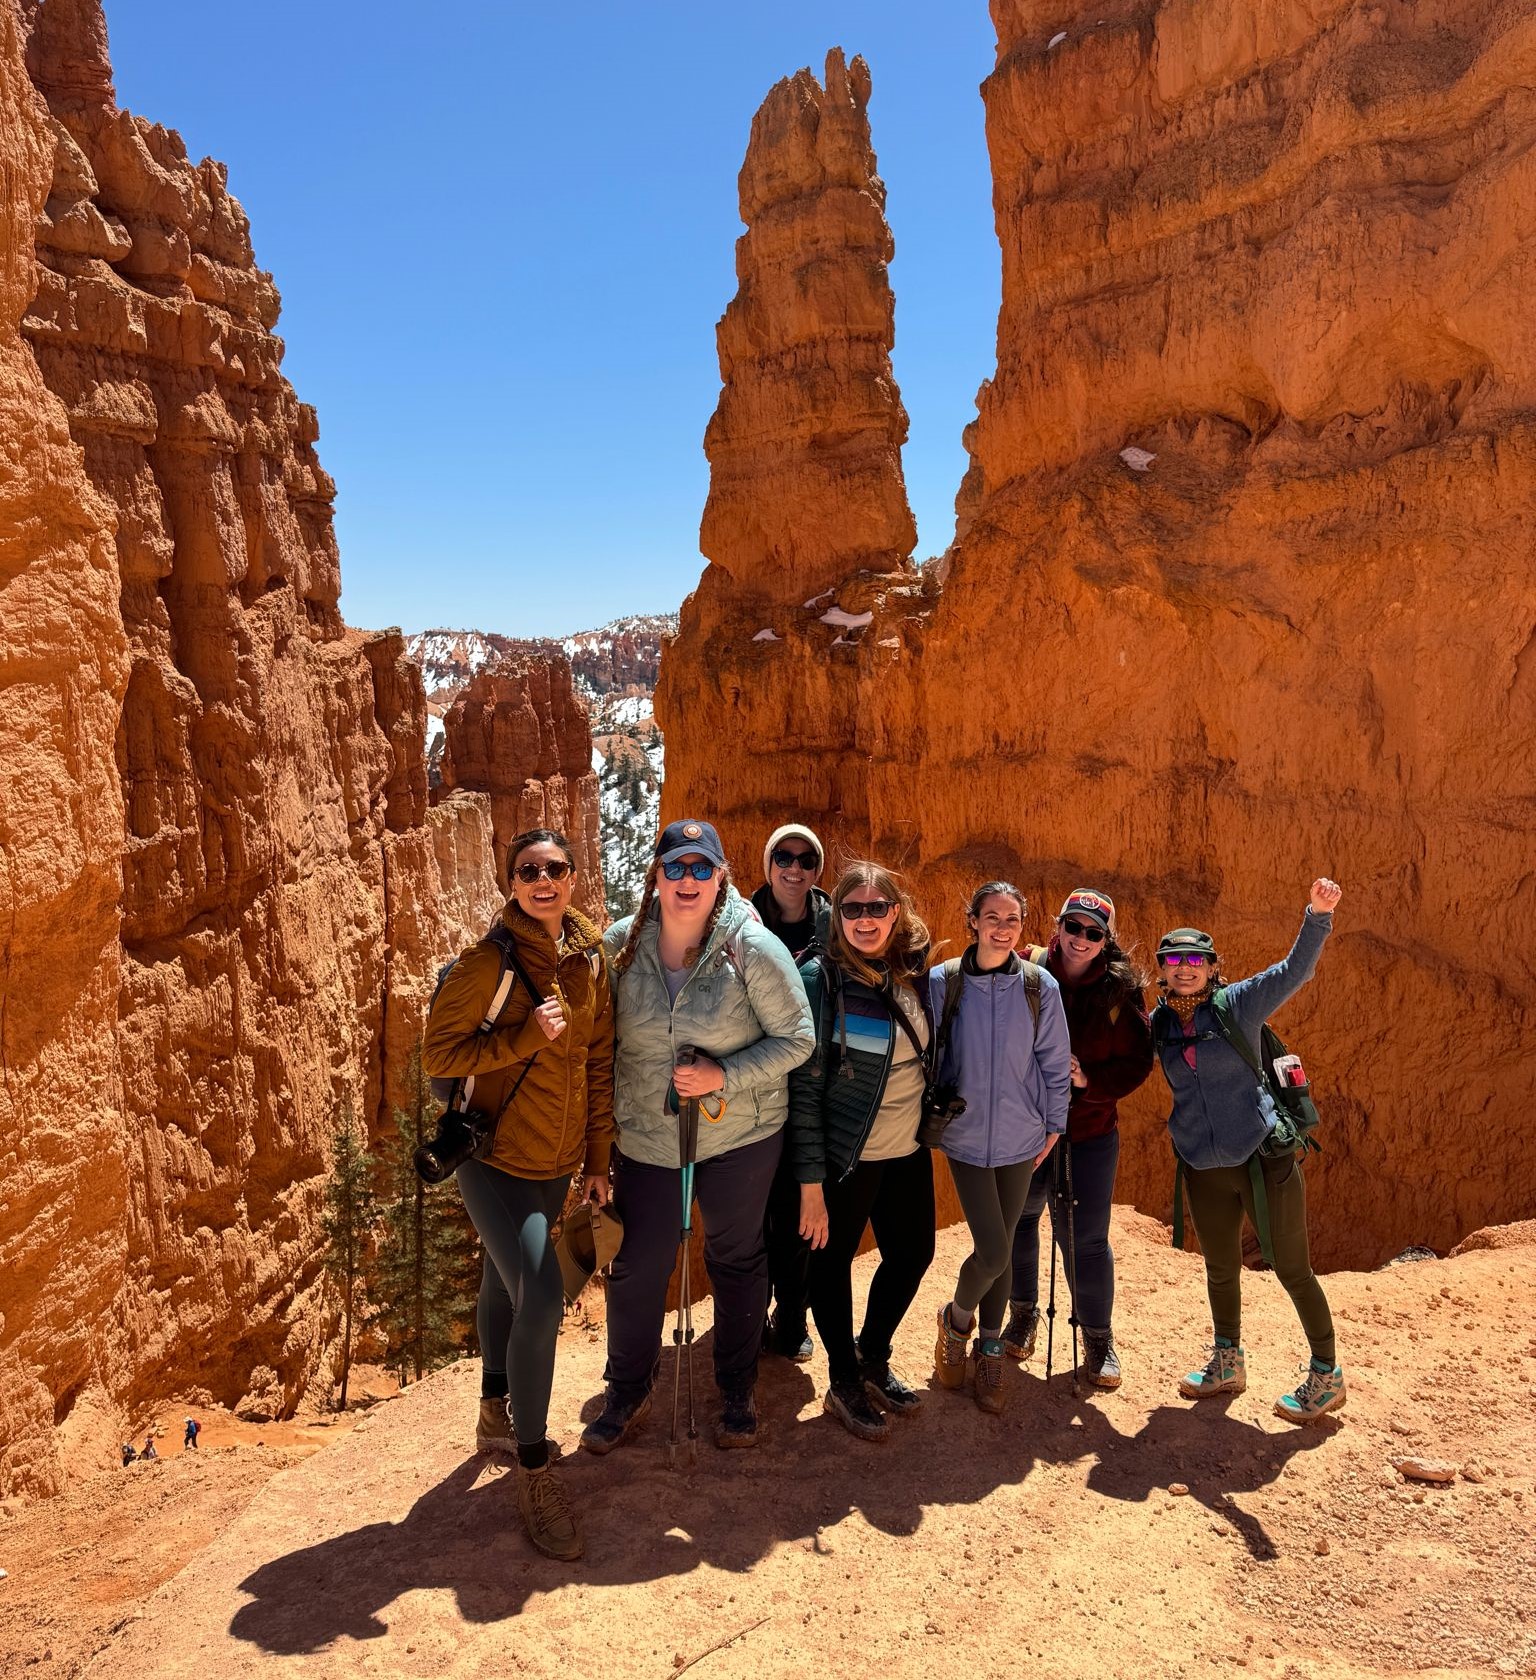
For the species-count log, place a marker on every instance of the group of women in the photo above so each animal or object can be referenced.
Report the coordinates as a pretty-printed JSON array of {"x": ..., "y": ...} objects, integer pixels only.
[{"x": 829, "y": 1059}]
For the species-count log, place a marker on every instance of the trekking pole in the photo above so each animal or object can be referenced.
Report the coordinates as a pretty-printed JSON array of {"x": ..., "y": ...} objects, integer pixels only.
[
  {"x": 1050, "y": 1306},
  {"x": 682, "y": 1334},
  {"x": 1071, "y": 1255}
]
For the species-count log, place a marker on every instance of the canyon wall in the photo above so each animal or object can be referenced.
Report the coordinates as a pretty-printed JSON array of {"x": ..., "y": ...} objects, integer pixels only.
[
  {"x": 224, "y": 894},
  {"x": 1241, "y": 590}
]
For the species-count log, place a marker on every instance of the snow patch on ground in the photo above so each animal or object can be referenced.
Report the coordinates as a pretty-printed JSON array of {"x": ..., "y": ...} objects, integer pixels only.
[
  {"x": 767, "y": 635},
  {"x": 1138, "y": 460},
  {"x": 846, "y": 620}
]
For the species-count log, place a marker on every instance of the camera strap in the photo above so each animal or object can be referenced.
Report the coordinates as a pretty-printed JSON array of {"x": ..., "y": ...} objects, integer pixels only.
[{"x": 512, "y": 969}]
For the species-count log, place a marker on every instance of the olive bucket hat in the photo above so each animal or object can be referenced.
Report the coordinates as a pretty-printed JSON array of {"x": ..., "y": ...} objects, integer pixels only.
[{"x": 589, "y": 1239}]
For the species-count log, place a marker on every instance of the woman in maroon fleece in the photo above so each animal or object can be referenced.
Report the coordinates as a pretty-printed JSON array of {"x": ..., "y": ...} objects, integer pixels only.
[{"x": 1111, "y": 1056}]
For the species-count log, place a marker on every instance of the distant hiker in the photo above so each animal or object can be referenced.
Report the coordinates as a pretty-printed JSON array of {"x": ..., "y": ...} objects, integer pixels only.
[
  {"x": 1111, "y": 1056},
  {"x": 190, "y": 1434},
  {"x": 855, "y": 1108},
  {"x": 694, "y": 969},
  {"x": 544, "y": 1076},
  {"x": 129, "y": 1455},
  {"x": 148, "y": 1449},
  {"x": 794, "y": 908},
  {"x": 1004, "y": 1059},
  {"x": 1221, "y": 1117}
]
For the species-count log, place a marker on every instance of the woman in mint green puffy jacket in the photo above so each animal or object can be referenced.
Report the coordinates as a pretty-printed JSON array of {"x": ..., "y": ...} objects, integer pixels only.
[{"x": 695, "y": 969}]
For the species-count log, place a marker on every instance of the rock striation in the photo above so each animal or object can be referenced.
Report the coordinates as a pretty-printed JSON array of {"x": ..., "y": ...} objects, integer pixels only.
[
  {"x": 223, "y": 892},
  {"x": 1241, "y": 585},
  {"x": 520, "y": 733}
]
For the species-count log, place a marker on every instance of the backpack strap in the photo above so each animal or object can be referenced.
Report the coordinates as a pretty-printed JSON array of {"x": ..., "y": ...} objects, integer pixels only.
[
  {"x": 1030, "y": 973},
  {"x": 954, "y": 988},
  {"x": 512, "y": 969},
  {"x": 1226, "y": 1021},
  {"x": 1178, "y": 1202},
  {"x": 1261, "y": 1208},
  {"x": 899, "y": 1016}
]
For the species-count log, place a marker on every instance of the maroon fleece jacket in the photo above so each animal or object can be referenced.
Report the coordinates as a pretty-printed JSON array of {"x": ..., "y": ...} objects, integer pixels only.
[{"x": 1115, "y": 1055}]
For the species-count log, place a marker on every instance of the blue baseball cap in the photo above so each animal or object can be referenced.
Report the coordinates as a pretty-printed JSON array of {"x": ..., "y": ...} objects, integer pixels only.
[{"x": 678, "y": 839}]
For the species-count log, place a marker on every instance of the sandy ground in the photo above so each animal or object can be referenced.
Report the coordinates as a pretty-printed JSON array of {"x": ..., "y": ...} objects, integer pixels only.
[{"x": 1048, "y": 1537}]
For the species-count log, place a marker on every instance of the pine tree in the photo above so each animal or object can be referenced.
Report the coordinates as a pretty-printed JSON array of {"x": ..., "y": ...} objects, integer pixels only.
[
  {"x": 351, "y": 1213},
  {"x": 428, "y": 1269}
]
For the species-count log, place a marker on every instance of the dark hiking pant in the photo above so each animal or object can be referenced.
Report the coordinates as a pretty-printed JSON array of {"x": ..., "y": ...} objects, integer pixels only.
[
  {"x": 991, "y": 1198},
  {"x": 1094, "y": 1161},
  {"x": 732, "y": 1192},
  {"x": 896, "y": 1197},
  {"x": 789, "y": 1254},
  {"x": 521, "y": 1293},
  {"x": 1219, "y": 1198}
]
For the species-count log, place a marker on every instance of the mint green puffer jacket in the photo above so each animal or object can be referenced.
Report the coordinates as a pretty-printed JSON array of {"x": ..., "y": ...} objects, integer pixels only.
[{"x": 743, "y": 1005}]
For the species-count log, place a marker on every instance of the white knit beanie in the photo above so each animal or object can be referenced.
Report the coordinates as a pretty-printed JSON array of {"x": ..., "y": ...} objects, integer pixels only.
[{"x": 779, "y": 835}]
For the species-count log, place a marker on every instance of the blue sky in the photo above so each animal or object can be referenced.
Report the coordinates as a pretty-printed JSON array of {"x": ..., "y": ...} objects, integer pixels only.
[{"x": 503, "y": 245}]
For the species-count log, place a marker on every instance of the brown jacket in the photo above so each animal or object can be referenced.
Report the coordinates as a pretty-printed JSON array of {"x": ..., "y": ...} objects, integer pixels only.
[{"x": 562, "y": 1117}]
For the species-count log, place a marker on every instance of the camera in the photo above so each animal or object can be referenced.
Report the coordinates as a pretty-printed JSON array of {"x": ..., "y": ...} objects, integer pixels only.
[
  {"x": 941, "y": 1104},
  {"x": 461, "y": 1134}
]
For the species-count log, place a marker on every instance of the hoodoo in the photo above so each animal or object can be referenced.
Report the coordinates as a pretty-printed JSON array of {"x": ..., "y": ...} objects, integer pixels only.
[{"x": 1241, "y": 585}]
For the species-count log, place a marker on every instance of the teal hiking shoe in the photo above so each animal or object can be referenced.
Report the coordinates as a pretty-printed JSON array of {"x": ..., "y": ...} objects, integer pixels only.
[
  {"x": 1225, "y": 1372},
  {"x": 1319, "y": 1392}
]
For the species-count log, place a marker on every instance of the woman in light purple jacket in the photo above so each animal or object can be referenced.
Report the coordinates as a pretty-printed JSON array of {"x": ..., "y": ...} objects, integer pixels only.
[{"x": 1009, "y": 1056}]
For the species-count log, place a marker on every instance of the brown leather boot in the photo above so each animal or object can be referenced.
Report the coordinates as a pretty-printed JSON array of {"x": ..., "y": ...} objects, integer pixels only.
[
  {"x": 949, "y": 1353},
  {"x": 547, "y": 1513},
  {"x": 988, "y": 1356}
]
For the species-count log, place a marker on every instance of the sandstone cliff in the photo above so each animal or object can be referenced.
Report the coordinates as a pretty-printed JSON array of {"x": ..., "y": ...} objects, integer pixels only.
[
  {"x": 520, "y": 733},
  {"x": 1241, "y": 590},
  {"x": 223, "y": 892}
]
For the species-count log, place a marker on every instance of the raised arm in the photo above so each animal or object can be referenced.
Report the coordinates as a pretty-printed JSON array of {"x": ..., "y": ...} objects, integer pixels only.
[{"x": 1254, "y": 1000}]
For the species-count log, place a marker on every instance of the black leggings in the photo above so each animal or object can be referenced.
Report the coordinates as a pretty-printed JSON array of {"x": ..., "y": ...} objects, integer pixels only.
[{"x": 896, "y": 1197}]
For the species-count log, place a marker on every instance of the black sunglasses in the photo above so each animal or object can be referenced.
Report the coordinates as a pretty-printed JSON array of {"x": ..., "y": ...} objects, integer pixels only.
[
  {"x": 787, "y": 860},
  {"x": 700, "y": 871},
  {"x": 528, "y": 873},
  {"x": 877, "y": 909},
  {"x": 1090, "y": 931}
]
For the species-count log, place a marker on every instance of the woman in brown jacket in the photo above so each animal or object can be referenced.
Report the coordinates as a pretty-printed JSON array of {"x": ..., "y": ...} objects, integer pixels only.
[{"x": 546, "y": 1071}]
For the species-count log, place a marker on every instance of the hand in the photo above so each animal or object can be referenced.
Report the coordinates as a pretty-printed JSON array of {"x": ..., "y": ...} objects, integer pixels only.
[
  {"x": 699, "y": 1079},
  {"x": 594, "y": 1189},
  {"x": 551, "y": 1017},
  {"x": 1050, "y": 1144},
  {"x": 1325, "y": 894},
  {"x": 1079, "y": 1078},
  {"x": 813, "y": 1215}
]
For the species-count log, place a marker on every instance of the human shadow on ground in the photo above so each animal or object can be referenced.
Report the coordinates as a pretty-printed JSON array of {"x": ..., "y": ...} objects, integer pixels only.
[{"x": 645, "y": 1523}]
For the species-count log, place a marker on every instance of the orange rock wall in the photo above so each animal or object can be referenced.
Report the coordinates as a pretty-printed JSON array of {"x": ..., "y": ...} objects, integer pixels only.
[
  {"x": 521, "y": 734},
  {"x": 1284, "y": 251},
  {"x": 223, "y": 896}
]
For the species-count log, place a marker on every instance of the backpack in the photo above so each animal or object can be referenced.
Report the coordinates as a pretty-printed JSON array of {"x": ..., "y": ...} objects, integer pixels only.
[{"x": 1296, "y": 1116}]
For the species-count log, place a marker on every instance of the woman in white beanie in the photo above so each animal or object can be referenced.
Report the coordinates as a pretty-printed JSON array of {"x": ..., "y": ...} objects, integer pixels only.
[{"x": 795, "y": 909}]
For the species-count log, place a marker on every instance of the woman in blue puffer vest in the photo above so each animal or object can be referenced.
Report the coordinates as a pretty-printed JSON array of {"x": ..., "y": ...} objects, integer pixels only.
[{"x": 1008, "y": 1054}]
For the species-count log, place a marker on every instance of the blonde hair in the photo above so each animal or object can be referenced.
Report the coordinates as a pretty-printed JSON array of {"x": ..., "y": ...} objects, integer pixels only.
[
  {"x": 647, "y": 897},
  {"x": 906, "y": 951}
]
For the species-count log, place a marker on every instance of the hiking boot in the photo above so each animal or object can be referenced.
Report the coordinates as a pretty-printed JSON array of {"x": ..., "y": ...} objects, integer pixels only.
[
  {"x": 851, "y": 1405},
  {"x": 1319, "y": 1392},
  {"x": 1225, "y": 1372},
  {"x": 1020, "y": 1331},
  {"x": 620, "y": 1420},
  {"x": 738, "y": 1421},
  {"x": 1101, "y": 1364},
  {"x": 547, "y": 1514},
  {"x": 887, "y": 1387},
  {"x": 988, "y": 1380},
  {"x": 788, "y": 1341},
  {"x": 493, "y": 1431},
  {"x": 949, "y": 1353}
]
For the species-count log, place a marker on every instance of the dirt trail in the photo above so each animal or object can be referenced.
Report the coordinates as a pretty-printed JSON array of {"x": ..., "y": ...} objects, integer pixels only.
[{"x": 964, "y": 1545}]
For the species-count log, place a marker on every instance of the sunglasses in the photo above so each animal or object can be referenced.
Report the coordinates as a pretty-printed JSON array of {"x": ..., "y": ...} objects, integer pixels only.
[
  {"x": 528, "y": 873},
  {"x": 1195, "y": 959},
  {"x": 1091, "y": 931},
  {"x": 787, "y": 860},
  {"x": 699, "y": 871},
  {"x": 876, "y": 909}
]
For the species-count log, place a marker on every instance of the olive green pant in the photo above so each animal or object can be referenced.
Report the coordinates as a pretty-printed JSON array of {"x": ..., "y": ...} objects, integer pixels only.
[{"x": 1219, "y": 1197}]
